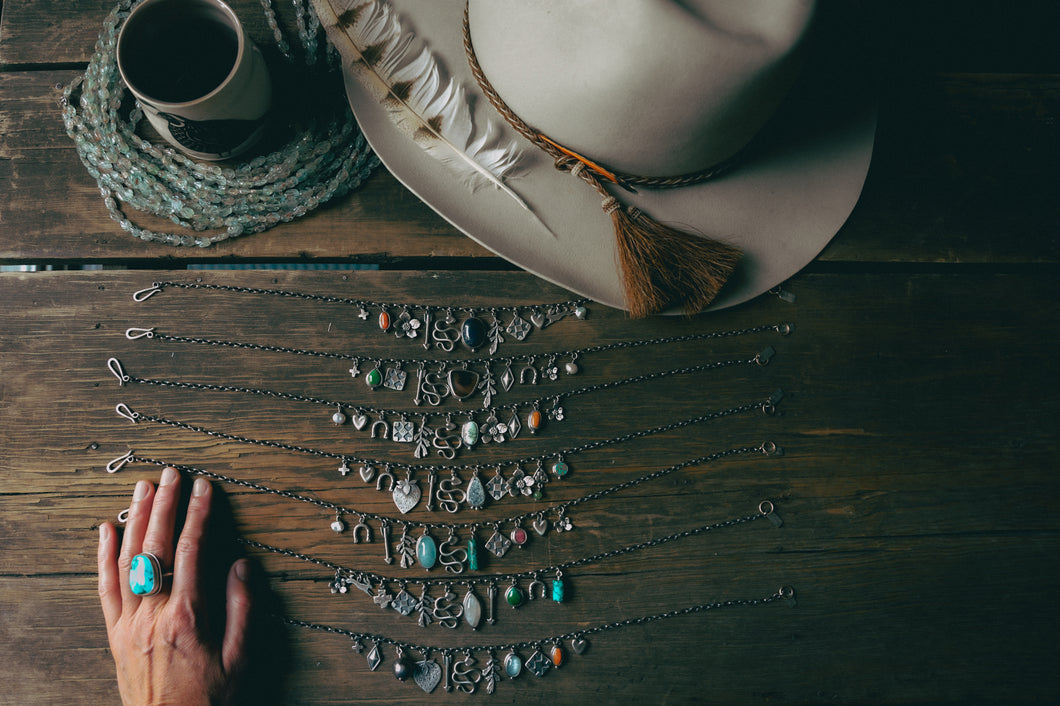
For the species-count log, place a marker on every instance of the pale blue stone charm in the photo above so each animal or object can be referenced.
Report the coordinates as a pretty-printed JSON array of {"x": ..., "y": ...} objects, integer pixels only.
[
  {"x": 145, "y": 575},
  {"x": 513, "y": 665},
  {"x": 426, "y": 551}
]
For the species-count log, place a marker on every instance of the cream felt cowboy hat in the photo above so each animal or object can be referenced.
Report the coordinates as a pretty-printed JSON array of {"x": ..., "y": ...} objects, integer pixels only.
[{"x": 733, "y": 94}]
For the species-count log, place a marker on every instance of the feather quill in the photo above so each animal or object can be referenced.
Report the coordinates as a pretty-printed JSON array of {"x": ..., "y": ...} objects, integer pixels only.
[{"x": 405, "y": 78}]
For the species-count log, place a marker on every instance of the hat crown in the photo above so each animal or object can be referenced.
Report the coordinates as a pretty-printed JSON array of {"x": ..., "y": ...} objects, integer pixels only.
[{"x": 648, "y": 87}]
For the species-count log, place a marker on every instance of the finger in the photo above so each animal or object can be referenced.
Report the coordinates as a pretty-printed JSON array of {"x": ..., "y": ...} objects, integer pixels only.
[
  {"x": 160, "y": 530},
  {"x": 109, "y": 581},
  {"x": 135, "y": 528},
  {"x": 187, "y": 558},
  {"x": 237, "y": 606}
]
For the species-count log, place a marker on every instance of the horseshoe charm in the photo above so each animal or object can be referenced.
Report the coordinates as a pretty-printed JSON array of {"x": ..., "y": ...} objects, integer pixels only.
[
  {"x": 362, "y": 532},
  {"x": 379, "y": 481}
]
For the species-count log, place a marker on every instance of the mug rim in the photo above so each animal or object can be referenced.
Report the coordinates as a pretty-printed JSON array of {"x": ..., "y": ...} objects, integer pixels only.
[{"x": 234, "y": 23}]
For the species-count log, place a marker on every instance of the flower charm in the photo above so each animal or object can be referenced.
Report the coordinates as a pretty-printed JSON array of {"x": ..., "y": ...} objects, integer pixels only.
[
  {"x": 551, "y": 372},
  {"x": 496, "y": 431},
  {"x": 556, "y": 414},
  {"x": 563, "y": 524},
  {"x": 408, "y": 326},
  {"x": 526, "y": 485}
]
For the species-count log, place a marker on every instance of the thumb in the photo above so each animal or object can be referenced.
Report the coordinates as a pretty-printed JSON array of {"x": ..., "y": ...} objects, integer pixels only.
[{"x": 237, "y": 616}]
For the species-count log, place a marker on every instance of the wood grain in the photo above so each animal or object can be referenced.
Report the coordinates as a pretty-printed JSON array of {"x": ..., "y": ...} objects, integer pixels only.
[
  {"x": 918, "y": 422},
  {"x": 915, "y": 486}
]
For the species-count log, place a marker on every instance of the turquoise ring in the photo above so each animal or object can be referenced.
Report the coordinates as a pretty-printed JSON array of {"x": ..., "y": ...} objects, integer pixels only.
[{"x": 145, "y": 574}]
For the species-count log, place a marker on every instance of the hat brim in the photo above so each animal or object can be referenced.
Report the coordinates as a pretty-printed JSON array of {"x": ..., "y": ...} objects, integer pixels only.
[{"x": 781, "y": 206}]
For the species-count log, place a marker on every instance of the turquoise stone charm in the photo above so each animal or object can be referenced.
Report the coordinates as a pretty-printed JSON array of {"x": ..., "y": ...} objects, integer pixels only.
[
  {"x": 560, "y": 469},
  {"x": 427, "y": 552},
  {"x": 557, "y": 590},
  {"x": 513, "y": 665},
  {"x": 145, "y": 575},
  {"x": 469, "y": 433},
  {"x": 472, "y": 554},
  {"x": 473, "y": 333}
]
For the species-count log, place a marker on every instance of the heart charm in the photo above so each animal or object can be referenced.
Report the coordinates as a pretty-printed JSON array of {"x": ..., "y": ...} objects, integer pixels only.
[
  {"x": 367, "y": 472},
  {"x": 359, "y": 421},
  {"x": 537, "y": 319},
  {"x": 462, "y": 383},
  {"x": 427, "y": 675},
  {"x": 540, "y": 525},
  {"x": 579, "y": 645},
  {"x": 406, "y": 495}
]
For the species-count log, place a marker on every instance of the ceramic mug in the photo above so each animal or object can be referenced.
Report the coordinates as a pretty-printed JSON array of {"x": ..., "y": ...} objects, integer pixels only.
[{"x": 201, "y": 81}]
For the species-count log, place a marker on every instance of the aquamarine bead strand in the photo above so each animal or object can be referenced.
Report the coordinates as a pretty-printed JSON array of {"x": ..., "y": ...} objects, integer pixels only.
[{"x": 326, "y": 160}]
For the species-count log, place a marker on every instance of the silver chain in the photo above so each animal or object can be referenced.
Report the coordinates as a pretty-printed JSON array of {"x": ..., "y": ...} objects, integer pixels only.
[
  {"x": 767, "y": 448},
  {"x": 762, "y": 358},
  {"x": 767, "y": 406},
  {"x": 765, "y": 509},
  {"x": 784, "y": 593},
  {"x": 157, "y": 287}
]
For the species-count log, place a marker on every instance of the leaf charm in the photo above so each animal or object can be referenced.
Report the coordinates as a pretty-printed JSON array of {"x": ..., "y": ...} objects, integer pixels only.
[{"x": 405, "y": 78}]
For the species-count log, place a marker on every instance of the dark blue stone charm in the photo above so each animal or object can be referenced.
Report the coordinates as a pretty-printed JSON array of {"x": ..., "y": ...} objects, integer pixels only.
[{"x": 473, "y": 333}]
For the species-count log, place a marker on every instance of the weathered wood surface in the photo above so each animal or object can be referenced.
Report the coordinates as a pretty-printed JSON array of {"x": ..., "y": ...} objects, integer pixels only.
[
  {"x": 916, "y": 486},
  {"x": 919, "y": 423}
]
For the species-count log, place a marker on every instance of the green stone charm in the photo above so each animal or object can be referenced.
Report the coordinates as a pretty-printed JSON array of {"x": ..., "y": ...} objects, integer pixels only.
[
  {"x": 472, "y": 554},
  {"x": 374, "y": 378},
  {"x": 514, "y": 596},
  {"x": 145, "y": 575}
]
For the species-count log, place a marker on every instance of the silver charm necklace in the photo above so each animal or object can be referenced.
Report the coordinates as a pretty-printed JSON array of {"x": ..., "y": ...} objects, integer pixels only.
[
  {"x": 455, "y": 554},
  {"x": 459, "y": 668},
  {"x": 464, "y": 379},
  {"x": 441, "y": 327},
  {"x": 529, "y": 476},
  {"x": 436, "y": 432},
  {"x": 518, "y": 587}
]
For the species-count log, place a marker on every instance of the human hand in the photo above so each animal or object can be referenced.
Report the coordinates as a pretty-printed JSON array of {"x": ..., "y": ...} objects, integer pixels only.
[{"x": 187, "y": 644}]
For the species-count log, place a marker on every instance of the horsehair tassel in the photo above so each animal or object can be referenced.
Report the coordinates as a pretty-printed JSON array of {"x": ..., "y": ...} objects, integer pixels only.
[
  {"x": 660, "y": 266},
  {"x": 663, "y": 266}
]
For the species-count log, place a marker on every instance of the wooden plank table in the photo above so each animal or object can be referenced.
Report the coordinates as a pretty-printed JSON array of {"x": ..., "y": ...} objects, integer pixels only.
[{"x": 918, "y": 423}]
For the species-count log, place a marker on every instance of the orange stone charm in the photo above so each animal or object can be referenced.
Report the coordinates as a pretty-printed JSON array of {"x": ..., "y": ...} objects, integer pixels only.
[
  {"x": 384, "y": 320},
  {"x": 556, "y": 654},
  {"x": 534, "y": 420}
]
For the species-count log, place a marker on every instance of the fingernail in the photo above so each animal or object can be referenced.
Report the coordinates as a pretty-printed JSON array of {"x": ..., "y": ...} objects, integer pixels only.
[
  {"x": 199, "y": 488},
  {"x": 169, "y": 475},
  {"x": 242, "y": 569},
  {"x": 141, "y": 491},
  {"x": 103, "y": 536}
]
